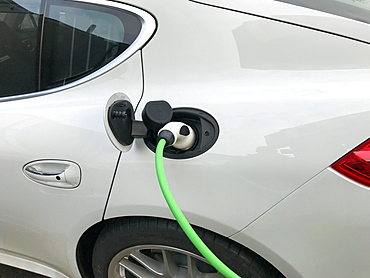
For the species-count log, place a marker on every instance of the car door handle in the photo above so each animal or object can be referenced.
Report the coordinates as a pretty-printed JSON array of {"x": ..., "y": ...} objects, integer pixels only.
[
  {"x": 33, "y": 170},
  {"x": 55, "y": 173}
]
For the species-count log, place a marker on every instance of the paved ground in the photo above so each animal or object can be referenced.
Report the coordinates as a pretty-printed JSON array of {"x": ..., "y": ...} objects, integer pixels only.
[{"x": 10, "y": 272}]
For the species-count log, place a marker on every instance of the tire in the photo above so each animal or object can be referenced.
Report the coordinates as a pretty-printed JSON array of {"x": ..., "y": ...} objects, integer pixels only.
[{"x": 147, "y": 247}]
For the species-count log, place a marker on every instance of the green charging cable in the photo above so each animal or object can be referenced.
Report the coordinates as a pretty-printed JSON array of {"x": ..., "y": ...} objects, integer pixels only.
[{"x": 181, "y": 219}]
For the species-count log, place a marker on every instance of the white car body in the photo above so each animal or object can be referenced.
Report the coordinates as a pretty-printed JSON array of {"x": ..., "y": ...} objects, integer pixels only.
[{"x": 289, "y": 88}]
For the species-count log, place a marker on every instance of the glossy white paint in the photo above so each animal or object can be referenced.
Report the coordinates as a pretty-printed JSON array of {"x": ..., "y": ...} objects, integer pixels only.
[
  {"x": 321, "y": 230},
  {"x": 29, "y": 264},
  {"x": 284, "y": 99},
  {"x": 65, "y": 126},
  {"x": 298, "y": 15},
  {"x": 289, "y": 101}
]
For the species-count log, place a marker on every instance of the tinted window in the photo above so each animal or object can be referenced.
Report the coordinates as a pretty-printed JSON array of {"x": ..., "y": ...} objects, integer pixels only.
[
  {"x": 19, "y": 47},
  {"x": 80, "y": 38},
  {"x": 353, "y": 9},
  {"x": 71, "y": 40}
]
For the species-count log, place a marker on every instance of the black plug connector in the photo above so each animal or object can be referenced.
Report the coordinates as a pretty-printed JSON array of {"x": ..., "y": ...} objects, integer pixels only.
[{"x": 166, "y": 135}]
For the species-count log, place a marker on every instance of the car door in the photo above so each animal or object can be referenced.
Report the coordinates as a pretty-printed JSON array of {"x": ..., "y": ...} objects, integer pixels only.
[{"x": 61, "y": 61}]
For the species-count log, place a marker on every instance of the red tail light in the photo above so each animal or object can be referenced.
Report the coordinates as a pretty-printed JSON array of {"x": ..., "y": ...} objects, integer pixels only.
[{"x": 356, "y": 164}]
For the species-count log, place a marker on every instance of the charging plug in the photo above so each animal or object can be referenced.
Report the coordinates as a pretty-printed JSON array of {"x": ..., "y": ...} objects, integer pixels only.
[{"x": 178, "y": 135}]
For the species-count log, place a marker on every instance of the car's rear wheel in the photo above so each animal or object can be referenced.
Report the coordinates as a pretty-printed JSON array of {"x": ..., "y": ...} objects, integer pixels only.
[
  {"x": 149, "y": 248},
  {"x": 159, "y": 261}
]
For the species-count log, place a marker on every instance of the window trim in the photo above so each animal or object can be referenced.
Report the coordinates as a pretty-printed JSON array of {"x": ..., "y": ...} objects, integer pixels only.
[{"x": 148, "y": 28}]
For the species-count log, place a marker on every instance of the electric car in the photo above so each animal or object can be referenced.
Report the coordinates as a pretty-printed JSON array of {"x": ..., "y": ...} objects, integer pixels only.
[{"x": 275, "y": 180}]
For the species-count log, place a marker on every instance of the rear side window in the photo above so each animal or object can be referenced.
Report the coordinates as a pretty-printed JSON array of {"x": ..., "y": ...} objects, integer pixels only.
[
  {"x": 353, "y": 9},
  {"x": 49, "y": 43},
  {"x": 19, "y": 45}
]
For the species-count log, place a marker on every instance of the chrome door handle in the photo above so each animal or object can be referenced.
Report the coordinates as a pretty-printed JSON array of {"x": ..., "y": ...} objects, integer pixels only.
[
  {"x": 32, "y": 170},
  {"x": 55, "y": 173}
]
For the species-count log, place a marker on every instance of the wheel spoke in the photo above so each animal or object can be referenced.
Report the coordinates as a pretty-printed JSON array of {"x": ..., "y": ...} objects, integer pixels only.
[
  {"x": 170, "y": 267},
  {"x": 193, "y": 271},
  {"x": 135, "y": 269},
  {"x": 149, "y": 263},
  {"x": 156, "y": 261}
]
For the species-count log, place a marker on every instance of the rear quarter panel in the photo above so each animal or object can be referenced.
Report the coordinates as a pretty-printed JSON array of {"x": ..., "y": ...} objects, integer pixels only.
[{"x": 289, "y": 101}]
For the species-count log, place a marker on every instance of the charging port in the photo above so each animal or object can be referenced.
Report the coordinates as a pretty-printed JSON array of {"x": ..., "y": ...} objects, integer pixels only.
[
  {"x": 120, "y": 118},
  {"x": 204, "y": 125}
]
